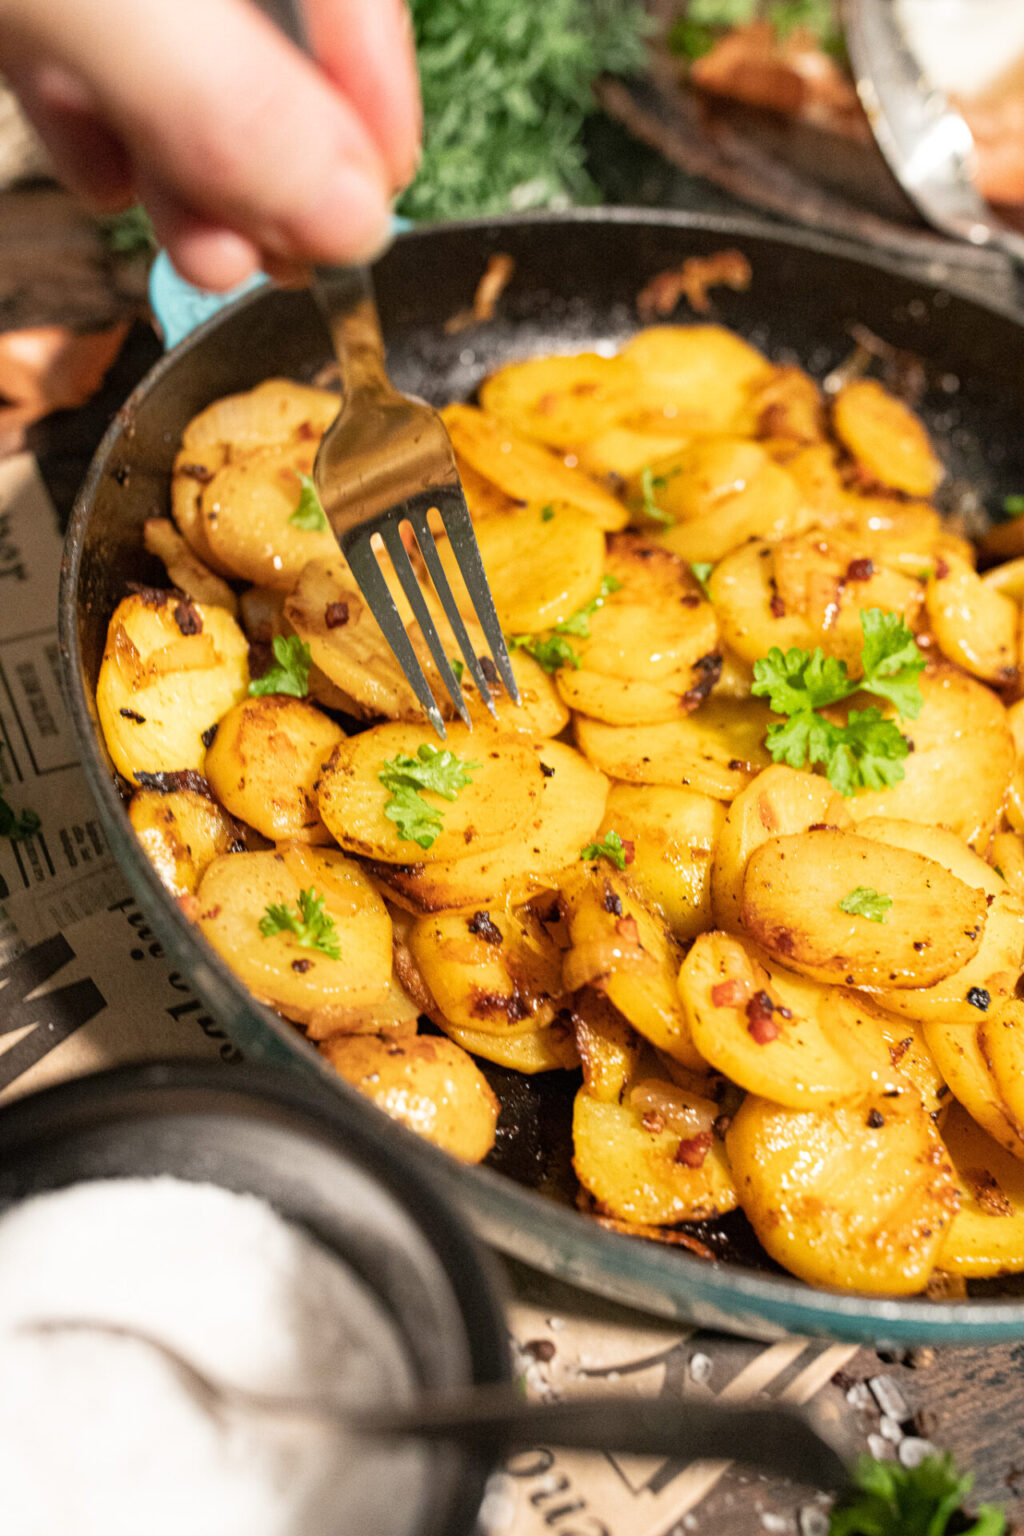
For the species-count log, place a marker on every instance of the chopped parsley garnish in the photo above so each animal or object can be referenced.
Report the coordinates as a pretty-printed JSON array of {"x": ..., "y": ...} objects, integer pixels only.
[
  {"x": 701, "y": 571},
  {"x": 457, "y": 667},
  {"x": 610, "y": 847},
  {"x": 649, "y": 483},
  {"x": 312, "y": 927},
  {"x": 309, "y": 515},
  {"x": 547, "y": 513},
  {"x": 1013, "y": 506},
  {"x": 17, "y": 825},
  {"x": 887, "y": 1499},
  {"x": 865, "y": 901},
  {"x": 550, "y": 654},
  {"x": 868, "y": 750},
  {"x": 433, "y": 768},
  {"x": 290, "y": 672},
  {"x": 578, "y": 623}
]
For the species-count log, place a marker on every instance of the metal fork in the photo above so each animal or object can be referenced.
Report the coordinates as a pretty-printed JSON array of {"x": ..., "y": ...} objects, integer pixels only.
[{"x": 385, "y": 461}]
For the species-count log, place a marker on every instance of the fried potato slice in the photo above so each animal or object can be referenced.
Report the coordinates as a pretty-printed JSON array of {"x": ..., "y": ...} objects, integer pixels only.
[
  {"x": 723, "y": 492},
  {"x": 673, "y": 832},
  {"x": 885, "y": 438},
  {"x": 859, "y": 1196},
  {"x": 529, "y": 1047},
  {"x": 714, "y": 751},
  {"x": 1007, "y": 855},
  {"x": 395, "y": 1015},
  {"x": 694, "y": 377},
  {"x": 957, "y": 1051},
  {"x": 182, "y": 830},
  {"x": 640, "y": 1165},
  {"x": 489, "y": 970},
  {"x": 185, "y": 570},
  {"x": 501, "y": 798},
  {"x": 625, "y": 951},
  {"x": 655, "y": 625},
  {"x": 780, "y": 801},
  {"x": 171, "y": 670},
  {"x": 610, "y": 1050},
  {"x": 1001, "y": 1039},
  {"x": 976, "y": 627},
  {"x": 561, "y": 400},
  {"x": 991, "y": 973},
  {"x": 526, "y": 470},
  {"x": 936, "y": 843},
  {"x": 987, "y": 1233},
  {"x": 248, "y": 508},
  {"x": 1006, "y": 579},
  {"x": 571, "y": 806},
  {"x": 264, "y": 762},
  {"x": 234, "y": 895},
  {"x": 791, "y": 894},
  {"x": 777, "y": 1034},
  {"x": 621, "y": 453},
  {"x": 275, "y": 411},
  {"x": 428, "y": 1084},
  {"x": 540, "y": 711},
  {"x": 788, "y": 407},
  {"x": 963, "y": 756}
]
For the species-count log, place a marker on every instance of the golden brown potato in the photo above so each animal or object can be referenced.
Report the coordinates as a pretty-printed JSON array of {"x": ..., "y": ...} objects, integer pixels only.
[
  {"x": 182, "y": 829},
  {"x": 540, "y": 711},
  {"x": 789, "y": 407},
  {"x": 958, "y": 1055},
  {"x": 693, "y": 377},
  {"x": 1006, "y": 579},
  {"x": 236, "y": 896},
  {"x": 792, "y": 892},
  {"x": 610, "y": 1050},
  {"x": 264, "y": 762},
  {"x": 722, "y": 491},
  {"x": 975, "y": 627},
  {"x": 500, "y": 795},
  {"x": 673, "y": 832},
  {"x": 185, "y": 571},
  {"x": 620, "y": 453},
  {"x": 561, "y": 400},
  {"x": 885, "y": 438},
  {"x": 171, "y": 670},
  {"x": 715, "y": 751},
  {"x": 428, "y": 1084},
  {"x": 395, "y": 1015},
  {"x": 987, "y": 1233},
  {"x": 528, "y": 1047},
  {"x": 1007, "y": 855},
  {"x": 859, "y": 1196},
  {"x": 1001, "y": 1040},
  {"x": 489, "y": 970},
  {"x": 248, "y": 508},
  {"x": 992, "y": 972}
]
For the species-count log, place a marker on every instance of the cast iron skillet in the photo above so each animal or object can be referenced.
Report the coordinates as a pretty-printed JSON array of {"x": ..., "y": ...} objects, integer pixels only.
[{"x": 575, "y": 283}]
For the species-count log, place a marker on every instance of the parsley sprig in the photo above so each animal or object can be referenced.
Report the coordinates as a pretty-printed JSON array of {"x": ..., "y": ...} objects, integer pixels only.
[
  {"x": 649, "y": 484},
  {"x": 701, "y": 571},
  {"x": 552, "y": 651},
  {"x": 309, "y": 515},
  {"x": 865, "y": 901},
  {"x": 433, "y": 768},
  {"x": 312, "y": 927},
  {"x": 578, "y": 623},
  {"x": 887, "y": 1499},
  {"x": 290, "y": 672},
  {"x": 868, "y": 750},
  {"x": 612, "y": 848},
  {"x": 17, "y": 825}
]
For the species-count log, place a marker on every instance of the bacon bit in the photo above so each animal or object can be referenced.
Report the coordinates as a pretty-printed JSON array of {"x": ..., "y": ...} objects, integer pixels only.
[
  {"x": 659, "y": 297},
  {"x": 612, "y": 902},
  {"x": 690, "y": 600},
  {"x": 941, "y": 569},
  {"x": 133, "y": 714},
  {"x": 694, "y": 1149},
  {"x": 302, "y": 966},
  {"x": 627, "y": 929},
  {"x": 823, "y": 826},
  {"x": 653, "y": 1122},
  {"x": 760, "y": 1025},
  {"x": 188, "y": 619},
  {"x": 335, "y": 615},
  {"x": 729, "y": 994},
  {"x": 777, "y": 606},
  {"x": 484, "y": 928},
  {"x": 496, "y": 278},
  {"x": 628, "y": 849},
  {"x": 211, "y": 914},
  {"x": 859, "y": 570}
]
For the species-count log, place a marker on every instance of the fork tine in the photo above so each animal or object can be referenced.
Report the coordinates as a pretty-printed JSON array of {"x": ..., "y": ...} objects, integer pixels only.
[
  {"x": 455, "y": 516},
  {"x": 363, "y": 564},
  {"x": 432, "y": 560},
  {"x": 391, "y": 534}
]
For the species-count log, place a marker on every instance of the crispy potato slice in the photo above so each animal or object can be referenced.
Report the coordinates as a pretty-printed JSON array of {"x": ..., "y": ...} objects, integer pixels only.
[
  {"x": 724, "y": 491},
  {"x": 234, "y": 895},
  {"x": 934, "y": 843},
  {"x": 264, "y": 762},
  {"x": 963, "y": 756},
  {"x": 189, "y": 477},
  {"x": 992, "y": 972},
  {"x": 887, "y": 440},
  {"x": 260, "y": 614},
  {"x": 618, "y": 701},
  {"x": 1001, "y": 1039},
  {"x": 489, "y": 970},
  {"x": 483, "y": 497},
  {"x": 428, "y": 1084},
  {"x": 791, "y": 894},
  {"x": 528, "y": 1048},
  {"x": 540, "y": 711},
  {"x": 909, "y": 1053},
  {"x": 714, "y": 751},
  {"x": 958, "y": 1055},
  {"x": 694, "y": 377},
  {"x": 1006, "y": 579},
  {"x": 1014, "y": 803},
  {"x": 561, "y": 400},
  {"x": 610, "y": 1050},
  {"x": 907, "y": 536},
  {"x": 987, "y": 1233},
  {"x": 625, "y": 951},
  {"x": 395, "y": 1015},
  {"x": 673, "y": 832},
  {"x": 655, "y": 626},
  {"x": 526, "y": 470},
  {"x": 185, "y": 570},
  {"x": 789, "y": 407},
  {"x": 777, "y": 1034},
  {"x": 542, "y": 563},
  {"x": 171, "y": 670},
  {"x": 182, "y": 830},
  {"x": 501, "y": 798},
  {"x": 779, "y": 802},
  {"x": 1007, "y": 854},
  {"x": 571, "y": 806},
  {"x": 640, "y": 1166},
  {"x": 248, "y": 508},
  {"x": 273, "y": 412},
  {"x": 622, "y": 452},
  {"x": 976, "y": 627},
  {"x": 858, "y": 1196}
]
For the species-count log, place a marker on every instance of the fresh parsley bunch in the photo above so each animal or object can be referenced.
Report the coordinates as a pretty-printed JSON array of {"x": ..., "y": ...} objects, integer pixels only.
[
  {"x": 868, "y": 751},
  {"x": 404, "y": 777}
]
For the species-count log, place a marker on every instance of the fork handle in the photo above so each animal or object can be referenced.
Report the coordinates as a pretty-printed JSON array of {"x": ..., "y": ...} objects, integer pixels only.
[{"x": 345, "y": 298}]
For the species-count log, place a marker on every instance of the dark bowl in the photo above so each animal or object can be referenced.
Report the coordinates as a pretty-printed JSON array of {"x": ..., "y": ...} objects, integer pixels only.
[
  {"x": 264, "y": 1132},
  {"x": 575, "y": 285}
]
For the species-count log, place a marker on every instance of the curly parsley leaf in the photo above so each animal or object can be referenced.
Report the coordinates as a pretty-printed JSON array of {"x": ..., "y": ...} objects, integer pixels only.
[
  {"x": 611, "y": 847},
  {"x": 578, "y": 623},
  {"x": 433, "y": 768},
  {"x": 17, "y": 825},
  {"x": 888, "y": 1499},
  {"x": 701, "y": 571},
  {"x": 309, "y": 515},
  {"x": 868, "y": 751},
  {"x": 865, "y": 901},
  {"x": 290, "y": 672},
  {"x": 547, "y": 513},
  {"x": 650, "y": 483},
  {"x": 457, "y": 667},
  {"x": 312, "y": 927},
  {"x": 550, "y": 654}
]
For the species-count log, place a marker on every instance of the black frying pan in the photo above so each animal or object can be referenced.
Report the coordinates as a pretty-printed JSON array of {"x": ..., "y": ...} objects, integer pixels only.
[{"x": 575, "y": 284}]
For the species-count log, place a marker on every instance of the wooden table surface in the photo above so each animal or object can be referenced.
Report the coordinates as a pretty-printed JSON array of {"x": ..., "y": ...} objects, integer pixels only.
[{"x": 54, "y": 267}]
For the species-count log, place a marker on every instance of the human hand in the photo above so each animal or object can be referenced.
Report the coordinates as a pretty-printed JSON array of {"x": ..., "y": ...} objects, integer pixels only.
[{"x": 244, "y": 152}]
